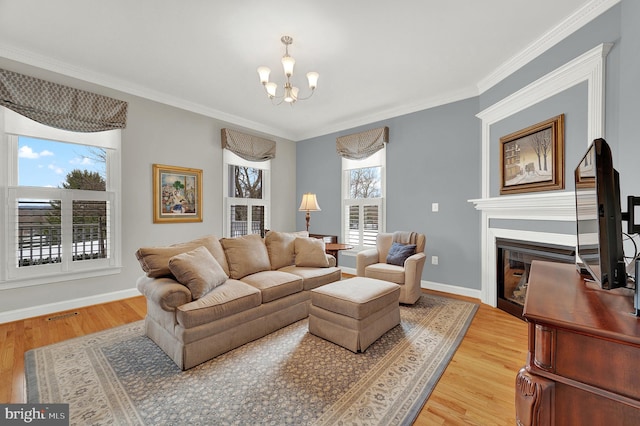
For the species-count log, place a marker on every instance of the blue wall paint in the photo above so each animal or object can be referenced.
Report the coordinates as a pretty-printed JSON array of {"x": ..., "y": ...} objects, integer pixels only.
[{"x": 432, "y": 157}]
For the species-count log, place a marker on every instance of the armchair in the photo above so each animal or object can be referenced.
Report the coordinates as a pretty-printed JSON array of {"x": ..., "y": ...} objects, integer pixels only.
[{"x": 372, "y": 263}]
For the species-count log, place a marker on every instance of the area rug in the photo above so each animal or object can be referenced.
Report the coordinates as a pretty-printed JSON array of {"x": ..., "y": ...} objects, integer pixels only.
[{"x": 290, "y": 377}]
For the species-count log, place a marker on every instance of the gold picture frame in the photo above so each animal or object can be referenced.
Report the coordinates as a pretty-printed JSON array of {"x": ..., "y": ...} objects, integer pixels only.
[
  {"x": 532, "y": 159},
  {"x": 177, "y": 194}
]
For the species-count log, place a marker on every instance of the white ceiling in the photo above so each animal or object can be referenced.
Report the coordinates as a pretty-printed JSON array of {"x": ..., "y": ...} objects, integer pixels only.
[{"x": 376, "y": 58}]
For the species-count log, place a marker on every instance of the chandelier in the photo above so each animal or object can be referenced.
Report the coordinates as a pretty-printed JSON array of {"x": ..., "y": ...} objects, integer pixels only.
[{"x": 290, "y": 93}]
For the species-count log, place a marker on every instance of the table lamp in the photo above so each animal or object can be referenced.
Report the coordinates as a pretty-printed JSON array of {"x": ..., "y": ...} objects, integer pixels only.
[{"x": 309, "y": 204}]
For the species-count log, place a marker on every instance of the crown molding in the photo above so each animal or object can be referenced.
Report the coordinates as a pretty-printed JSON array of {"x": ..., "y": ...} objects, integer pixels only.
[
  {"x": 68, "y": 70},
  {"x": 455, "y": 96},
  {"x": 572, "y": 23}
]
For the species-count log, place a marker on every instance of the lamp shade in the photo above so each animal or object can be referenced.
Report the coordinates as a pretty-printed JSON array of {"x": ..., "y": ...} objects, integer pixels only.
[
  {"x": 309, "y": 203},
  {"x": 287, "y": 64},
  {"x": 313, "y": 79},
  {"x": 271, "y": 88},
  {"x": 264, "y": 74}
]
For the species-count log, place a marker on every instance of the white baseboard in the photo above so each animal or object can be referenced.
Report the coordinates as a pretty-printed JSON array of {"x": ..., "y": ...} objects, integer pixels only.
[
  {"x": 451, "y": 289},
  {"x": 49, "y": 308},
  {"x": 429, "y": 285}
]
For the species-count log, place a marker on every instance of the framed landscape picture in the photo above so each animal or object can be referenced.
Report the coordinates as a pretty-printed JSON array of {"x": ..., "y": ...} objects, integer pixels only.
[
  {"x": 177, "y": 194},
  {"x": 532, "y": 159}
]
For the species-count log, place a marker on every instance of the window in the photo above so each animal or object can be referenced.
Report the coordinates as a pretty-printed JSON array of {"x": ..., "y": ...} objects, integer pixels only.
[
  {"x": 246, "y": 195},
  {"x": 60, "y": 190},
  {"x": 363, "y": 189}
]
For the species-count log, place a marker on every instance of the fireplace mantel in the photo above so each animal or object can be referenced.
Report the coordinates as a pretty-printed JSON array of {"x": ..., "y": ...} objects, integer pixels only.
[{"x": 538, "y": 206}]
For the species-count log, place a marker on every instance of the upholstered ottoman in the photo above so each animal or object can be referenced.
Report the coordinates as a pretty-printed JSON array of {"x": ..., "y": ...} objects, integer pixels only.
[{"x": 354, "y": 313}]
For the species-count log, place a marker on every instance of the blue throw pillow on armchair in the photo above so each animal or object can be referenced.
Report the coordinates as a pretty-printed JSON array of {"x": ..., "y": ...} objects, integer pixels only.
[{"x": 398, "y": 253}]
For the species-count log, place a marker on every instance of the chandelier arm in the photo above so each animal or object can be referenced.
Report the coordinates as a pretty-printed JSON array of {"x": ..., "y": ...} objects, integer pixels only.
[
  {"x": 276, "y": 97},
  {"x": 307, "y": 97}
]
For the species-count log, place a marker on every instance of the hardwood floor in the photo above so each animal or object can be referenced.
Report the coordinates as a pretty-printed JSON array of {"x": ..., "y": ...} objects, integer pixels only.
[{"x": 477, "y": 387}]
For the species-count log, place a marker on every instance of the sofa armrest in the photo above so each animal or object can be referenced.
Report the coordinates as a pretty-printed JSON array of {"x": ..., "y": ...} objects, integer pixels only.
[
  {"x": 413, "y": 266},
  {"x": 332, "y": 260},
  {"x": 364, "y": 259},
  {"x": 165, "y": 292}
]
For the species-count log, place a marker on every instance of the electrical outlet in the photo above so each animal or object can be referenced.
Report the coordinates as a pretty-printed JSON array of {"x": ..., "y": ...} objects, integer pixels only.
[
  {"x": 434, "y": 260},
  {"x": 435, "y": 207}
]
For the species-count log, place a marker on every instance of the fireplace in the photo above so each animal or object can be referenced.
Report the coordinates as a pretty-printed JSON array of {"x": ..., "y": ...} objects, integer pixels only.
[{"x": 513, "y": 264}]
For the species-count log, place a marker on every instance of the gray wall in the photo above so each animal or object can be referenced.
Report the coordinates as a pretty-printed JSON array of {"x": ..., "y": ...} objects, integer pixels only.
[
  {"x": 156, "y": 133},
  {"x": 432, "y": 157}
]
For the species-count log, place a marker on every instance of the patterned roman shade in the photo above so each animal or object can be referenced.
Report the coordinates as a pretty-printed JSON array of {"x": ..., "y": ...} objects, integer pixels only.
[
  {"x": 249, "y": 147},
  {"x": 60, "y": 106},
  {"x": 361, "y": 145}
]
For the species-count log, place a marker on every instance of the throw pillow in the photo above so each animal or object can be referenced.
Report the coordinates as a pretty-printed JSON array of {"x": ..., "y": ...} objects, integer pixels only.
[
  {"x": 198, "y": 270},
  {"x": 280, "y": 246},
  {"x": 310, "y": 252},
  {"x": 398, "y": 253},
  {"x": 155, "y": 260},
  {"x": 246, "y": 255}
]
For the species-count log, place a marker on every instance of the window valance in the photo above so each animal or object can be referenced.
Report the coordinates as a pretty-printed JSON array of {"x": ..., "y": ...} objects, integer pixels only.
[
  {"x": 60, "y": 106},
  {"x": 363, "y": 144},
  {"x": 249, "y": 147}
]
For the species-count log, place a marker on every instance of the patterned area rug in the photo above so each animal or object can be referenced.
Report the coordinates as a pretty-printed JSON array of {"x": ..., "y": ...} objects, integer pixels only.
[{"x": 119, "y": 376}]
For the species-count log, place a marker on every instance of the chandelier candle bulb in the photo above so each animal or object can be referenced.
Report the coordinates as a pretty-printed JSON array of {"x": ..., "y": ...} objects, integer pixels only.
[
  {"x": 313, "y": 79},
  {"x": 264, "y": 74},
  {"x": 287, "y": 64}
]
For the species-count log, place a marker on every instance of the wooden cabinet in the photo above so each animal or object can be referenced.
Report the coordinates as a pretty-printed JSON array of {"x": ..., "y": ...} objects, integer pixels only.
[{"x": 583, "y": 363}]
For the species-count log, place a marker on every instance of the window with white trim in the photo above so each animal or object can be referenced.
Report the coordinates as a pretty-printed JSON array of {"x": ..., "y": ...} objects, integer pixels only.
[
  {"x": 60, "y": 219},
  {"x": 363, "y": 196},
  {"x": 247, "y": 195}
]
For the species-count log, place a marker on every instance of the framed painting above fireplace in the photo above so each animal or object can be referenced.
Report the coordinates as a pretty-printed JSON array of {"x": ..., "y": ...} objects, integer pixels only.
[{"x": 532, "y": 159}]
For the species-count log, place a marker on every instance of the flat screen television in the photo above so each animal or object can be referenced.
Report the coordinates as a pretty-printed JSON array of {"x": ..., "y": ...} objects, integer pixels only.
[{"x": 599, "y": 217}]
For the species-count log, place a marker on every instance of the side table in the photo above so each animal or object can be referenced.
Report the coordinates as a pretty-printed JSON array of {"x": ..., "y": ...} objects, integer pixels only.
[{"x": 334, "y": 248}]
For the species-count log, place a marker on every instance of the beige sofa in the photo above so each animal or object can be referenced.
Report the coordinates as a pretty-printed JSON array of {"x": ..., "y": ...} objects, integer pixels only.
[{"x": 208, "y": 296}]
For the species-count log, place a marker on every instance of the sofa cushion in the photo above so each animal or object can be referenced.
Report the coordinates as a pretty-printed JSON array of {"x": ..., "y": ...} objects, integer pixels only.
[
  {"x": 198, "y": 270},
  {"x": 314, "y": 277},
  {"x": 280, "y": 246},
  {"x": 155, "y": 260},
  {"x": 245, "y": 255},
  {"x": 310, "y": 252},
  {"x": 221, "y": 302},
  {"x": 398, "y": 253},
  {"x": 274, "y": 284},
  {"x": 385, "y": 272}
]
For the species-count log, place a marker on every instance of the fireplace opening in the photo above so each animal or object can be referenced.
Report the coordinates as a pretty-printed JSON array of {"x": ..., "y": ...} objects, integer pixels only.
[{"x": 513, "y": 264}]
